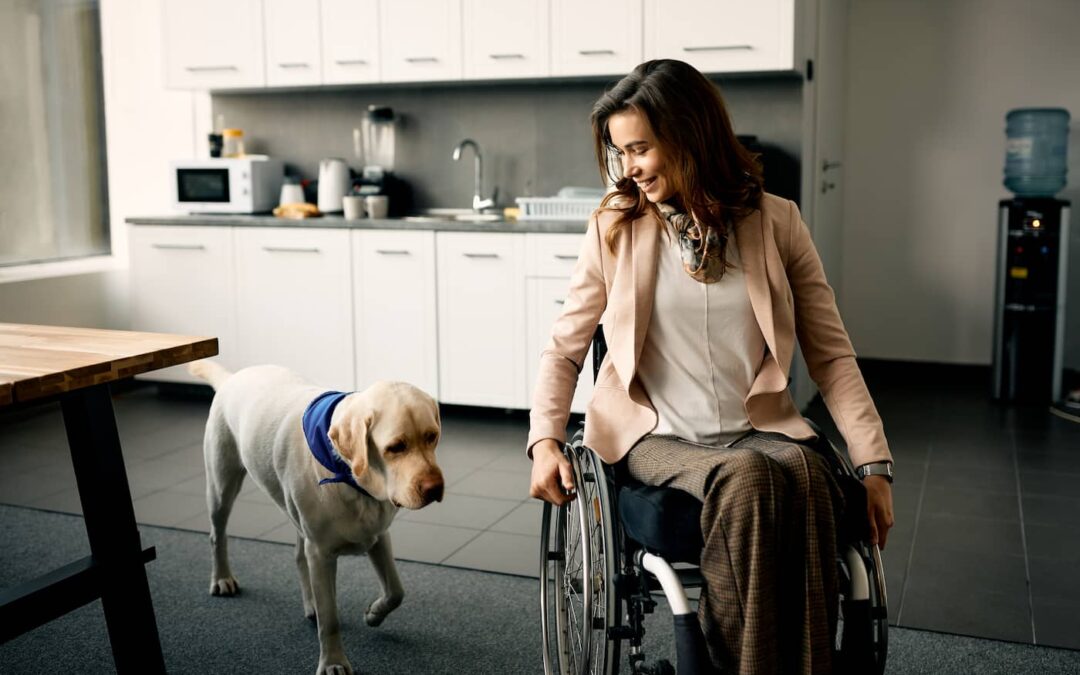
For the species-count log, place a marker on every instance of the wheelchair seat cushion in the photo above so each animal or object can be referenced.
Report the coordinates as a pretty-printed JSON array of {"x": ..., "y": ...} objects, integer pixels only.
[{"x": 664, "y": 521}]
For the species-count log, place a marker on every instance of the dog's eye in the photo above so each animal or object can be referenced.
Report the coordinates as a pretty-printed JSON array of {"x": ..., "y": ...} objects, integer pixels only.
[
  {"x": 397, "y": 447},
  {"x": 431, "y": 437}
]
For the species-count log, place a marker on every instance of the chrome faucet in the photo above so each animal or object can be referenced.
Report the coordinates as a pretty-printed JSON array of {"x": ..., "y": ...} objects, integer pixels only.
[{"x": 478, "y": 202}]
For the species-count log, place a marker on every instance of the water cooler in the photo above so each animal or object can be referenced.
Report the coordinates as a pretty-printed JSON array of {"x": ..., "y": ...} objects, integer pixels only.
[
  {"x": 1029, "y": 307},
  {"x": 1032, "y": 259}
]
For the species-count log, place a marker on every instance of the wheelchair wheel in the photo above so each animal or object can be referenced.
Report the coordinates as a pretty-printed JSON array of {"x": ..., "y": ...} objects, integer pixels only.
[
  {"x": 577, "y": 571},
  {"x": 862, "y": 639}
]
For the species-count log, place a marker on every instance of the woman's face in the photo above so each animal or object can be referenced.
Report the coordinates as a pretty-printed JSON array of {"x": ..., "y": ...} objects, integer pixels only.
[{"x": 642, "y": 158}]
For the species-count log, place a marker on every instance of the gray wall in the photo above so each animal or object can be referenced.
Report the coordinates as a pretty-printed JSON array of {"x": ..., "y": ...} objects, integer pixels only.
[{"x": 535, "y": 137}]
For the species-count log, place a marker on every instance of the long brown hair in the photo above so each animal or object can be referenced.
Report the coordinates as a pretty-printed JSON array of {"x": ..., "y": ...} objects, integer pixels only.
[{"x": 715, "y": 177}]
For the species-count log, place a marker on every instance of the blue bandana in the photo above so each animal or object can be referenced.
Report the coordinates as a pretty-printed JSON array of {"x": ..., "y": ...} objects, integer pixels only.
[{"x": 316, "y": 424}]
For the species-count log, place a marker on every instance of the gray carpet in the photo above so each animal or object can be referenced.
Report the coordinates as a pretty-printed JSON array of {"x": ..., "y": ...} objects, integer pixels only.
[{"x": 452, "y": 621}]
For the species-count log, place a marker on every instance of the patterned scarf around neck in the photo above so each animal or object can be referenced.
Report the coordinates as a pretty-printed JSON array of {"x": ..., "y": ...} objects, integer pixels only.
[{"x": 702, "y": 257}]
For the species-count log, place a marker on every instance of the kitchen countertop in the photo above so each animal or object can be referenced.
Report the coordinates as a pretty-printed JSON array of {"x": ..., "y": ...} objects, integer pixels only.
[{"x": 448, "y": 225}]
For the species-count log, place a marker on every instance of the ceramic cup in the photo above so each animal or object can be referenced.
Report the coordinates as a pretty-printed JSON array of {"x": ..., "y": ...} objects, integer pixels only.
[
  {"x": 354, "y": 207},
  {"x": 377, "y": 206}
]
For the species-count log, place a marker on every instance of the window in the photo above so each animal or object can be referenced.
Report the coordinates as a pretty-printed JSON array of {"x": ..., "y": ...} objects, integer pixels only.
[{"x": 53, "y": 190}]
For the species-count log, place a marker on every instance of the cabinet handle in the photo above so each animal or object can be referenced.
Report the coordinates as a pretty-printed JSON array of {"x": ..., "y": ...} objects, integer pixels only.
[
  {"x": 565, "y": 256},
  {"x": 499, "y": 57},
  {"x": 293, "y": 65},
  {"x": 481, "y": 255},
  {"x": 350, "y": 62},
  {"x": 560, "y": 302},
  {"x": 390, "y": 251},
  {"x": 208, "y": 69},
  {"x": 421, "y": 59},
  {"x": 718, "y": 48},
  {"x": 596, "y": 52},
  {"x": 180, "y": 247},
  {"x": 290, "y": 249}
]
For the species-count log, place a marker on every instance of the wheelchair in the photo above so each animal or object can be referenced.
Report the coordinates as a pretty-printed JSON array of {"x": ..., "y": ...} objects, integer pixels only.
[{"x": 604, "y": 555}]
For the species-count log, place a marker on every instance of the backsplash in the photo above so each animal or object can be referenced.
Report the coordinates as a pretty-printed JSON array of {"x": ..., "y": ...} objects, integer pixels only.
[{"x": 535, "y": 137}]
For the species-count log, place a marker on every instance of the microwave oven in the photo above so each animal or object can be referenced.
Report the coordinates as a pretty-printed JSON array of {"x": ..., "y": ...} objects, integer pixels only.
[{"x": 227, "y": 185}]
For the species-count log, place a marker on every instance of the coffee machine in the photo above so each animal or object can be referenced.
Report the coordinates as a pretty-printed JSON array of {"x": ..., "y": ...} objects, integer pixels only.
[{"x": 373, "y": 143}]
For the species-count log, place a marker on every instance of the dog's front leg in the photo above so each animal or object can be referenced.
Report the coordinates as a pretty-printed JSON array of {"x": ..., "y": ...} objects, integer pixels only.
[
  {"x": 382, "y": 558},
  {"x": 305, "y": 577},
  {"x": 323, "y": 570}
]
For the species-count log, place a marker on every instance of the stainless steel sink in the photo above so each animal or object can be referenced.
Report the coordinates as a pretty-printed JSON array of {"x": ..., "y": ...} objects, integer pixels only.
[{"x": 453, "y": 215}]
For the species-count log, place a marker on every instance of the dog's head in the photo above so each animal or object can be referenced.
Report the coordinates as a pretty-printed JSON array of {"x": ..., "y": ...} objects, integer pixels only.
[{"x": 388, "y": 433}]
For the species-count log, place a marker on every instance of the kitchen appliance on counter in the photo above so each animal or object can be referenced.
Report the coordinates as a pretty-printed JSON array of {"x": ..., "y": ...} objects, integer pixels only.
[
  {"x": 334, "y": 184},
  {"x": 374, "y": 143},
  {"x": 247, "y": 184}
]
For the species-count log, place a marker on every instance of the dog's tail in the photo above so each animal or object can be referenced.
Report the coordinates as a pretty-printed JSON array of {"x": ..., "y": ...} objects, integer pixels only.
[{"x": 211, "y": 371}]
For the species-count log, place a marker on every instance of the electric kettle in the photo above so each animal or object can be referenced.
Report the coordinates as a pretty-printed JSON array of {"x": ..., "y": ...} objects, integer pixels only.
[{"x": 334, "y": 183}]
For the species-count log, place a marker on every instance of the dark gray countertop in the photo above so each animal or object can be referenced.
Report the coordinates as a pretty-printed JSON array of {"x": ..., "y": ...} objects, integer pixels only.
[{"x": 448, "y": 225}]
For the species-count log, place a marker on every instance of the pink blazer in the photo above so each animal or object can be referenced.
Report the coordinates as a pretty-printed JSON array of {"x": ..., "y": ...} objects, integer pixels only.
[{"x": 790, "y": 298}]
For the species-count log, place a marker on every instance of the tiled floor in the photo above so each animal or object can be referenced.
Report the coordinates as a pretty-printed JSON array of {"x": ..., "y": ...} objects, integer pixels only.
[{"x": 986, "y": 541}]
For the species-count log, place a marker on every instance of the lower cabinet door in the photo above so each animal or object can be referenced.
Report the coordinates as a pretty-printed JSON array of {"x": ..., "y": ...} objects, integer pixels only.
[
  {"x": 545, "y": 303},
  {"x": 294, "y": 302},
  {"x": 395, "y": 314},
  {"x": 182, "y": 282},
  {"x": 481, "y": 289}
]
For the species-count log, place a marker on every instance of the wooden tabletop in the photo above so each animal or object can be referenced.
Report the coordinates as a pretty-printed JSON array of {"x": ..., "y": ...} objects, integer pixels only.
[{"x": 39, "y": 361}]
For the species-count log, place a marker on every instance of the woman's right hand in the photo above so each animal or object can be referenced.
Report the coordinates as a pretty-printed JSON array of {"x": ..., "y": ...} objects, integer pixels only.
[{"x": 552, "y": 476}]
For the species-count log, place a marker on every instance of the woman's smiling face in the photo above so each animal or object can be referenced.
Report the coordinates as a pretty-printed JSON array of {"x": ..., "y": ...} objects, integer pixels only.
[{"x": 641, "y": 156}]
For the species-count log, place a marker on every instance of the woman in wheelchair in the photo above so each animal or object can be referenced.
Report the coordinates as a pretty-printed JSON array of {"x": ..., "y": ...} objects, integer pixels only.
[{"x": 702, "y": 282}]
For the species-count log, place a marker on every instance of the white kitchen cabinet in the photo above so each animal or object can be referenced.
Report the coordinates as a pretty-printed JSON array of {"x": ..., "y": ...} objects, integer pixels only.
[
  {"x": 580, "y": 47},
  {"x": 395, "y": 308},
  {"x": 481, "y": 287},
  {"x": 550, "y": 260},
  {"x": 506, "y": 39},
  {"x": 294, "y": 301},
  {"x": 182, "y": 282},
  {"x": 722, "y": 36},
  {"x": 213, "y": 45},
  {"x": 293, "y": 56},
  {"x": 420, "y": 40},
  {"x": 350, "y": 41}
]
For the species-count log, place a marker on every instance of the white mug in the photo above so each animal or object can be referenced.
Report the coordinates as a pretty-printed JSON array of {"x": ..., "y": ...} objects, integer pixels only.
[
  {"x": 377, "y": 206},
  {"x": 354, "y": 207}
]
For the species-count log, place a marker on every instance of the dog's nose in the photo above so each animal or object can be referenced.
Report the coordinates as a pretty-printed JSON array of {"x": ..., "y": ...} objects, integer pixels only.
[{"x": 432, "y": 489}]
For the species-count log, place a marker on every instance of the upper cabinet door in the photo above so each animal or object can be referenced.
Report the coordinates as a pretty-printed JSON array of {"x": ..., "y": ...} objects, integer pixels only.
[
  {"x": 420, "y": 40},
  {"x": 292, "y": 42},
  {"x": 722, "y": 36},
  {"x": 350, "y": 41},
  {"x": 595, "y": 37},
  {"x": 506, "y": 38},
  {"x": 213, "y": 45}
]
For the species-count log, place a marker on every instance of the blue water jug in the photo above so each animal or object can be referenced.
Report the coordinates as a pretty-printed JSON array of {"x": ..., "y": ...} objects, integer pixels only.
[{"x": 1035, "y": 151}]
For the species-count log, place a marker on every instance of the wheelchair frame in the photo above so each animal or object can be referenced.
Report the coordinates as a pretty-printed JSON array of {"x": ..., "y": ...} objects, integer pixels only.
[{"x": 597, "y": 584}]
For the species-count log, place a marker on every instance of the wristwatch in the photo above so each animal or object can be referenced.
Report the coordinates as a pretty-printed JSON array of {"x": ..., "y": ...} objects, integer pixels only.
[{"x": 883, "y": 468}]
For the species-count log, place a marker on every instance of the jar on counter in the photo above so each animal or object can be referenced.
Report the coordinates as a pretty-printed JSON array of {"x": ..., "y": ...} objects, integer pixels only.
[{"x": 233, "y": 143}]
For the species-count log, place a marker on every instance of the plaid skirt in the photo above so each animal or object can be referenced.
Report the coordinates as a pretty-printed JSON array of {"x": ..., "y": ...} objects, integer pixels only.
[{"x": 769, "y": 514}]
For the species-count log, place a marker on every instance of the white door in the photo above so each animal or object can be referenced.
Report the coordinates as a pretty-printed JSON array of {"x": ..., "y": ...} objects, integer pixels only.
[
  {"x": 722, "y": 36},
  {"x": 294, "y": 301},
  {"x": 350, "y": 41},
  {"x": 293, "y": 54},
  {"x": 182, "y": 282},
  {"x": 580, "y": 47},
  {"x": 213, "y": 45},
  {"x": 394, "y": 296},
  {"x": 482, "y": 319},
  {"x": 420, "y": 40},
  {"x": 506, "y": 38}
]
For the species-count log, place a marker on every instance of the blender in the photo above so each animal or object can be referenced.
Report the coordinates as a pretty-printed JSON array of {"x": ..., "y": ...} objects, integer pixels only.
[{"x": 374, "y": 141}]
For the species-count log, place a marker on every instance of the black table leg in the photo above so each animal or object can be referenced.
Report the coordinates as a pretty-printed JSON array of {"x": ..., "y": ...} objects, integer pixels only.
[{"x": 111, "y": 529}]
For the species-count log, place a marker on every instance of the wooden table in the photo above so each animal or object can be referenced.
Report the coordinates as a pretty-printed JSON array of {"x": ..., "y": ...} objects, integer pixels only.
[{"x": 75, "y": 366}]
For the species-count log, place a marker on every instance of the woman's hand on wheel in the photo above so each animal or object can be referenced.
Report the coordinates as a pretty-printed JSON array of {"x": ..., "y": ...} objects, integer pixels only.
[
  {"x": 552, "y": 476},
  {"x": 878, "y": 508}
]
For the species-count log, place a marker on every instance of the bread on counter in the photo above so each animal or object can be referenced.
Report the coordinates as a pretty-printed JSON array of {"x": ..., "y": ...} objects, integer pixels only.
[{"x": 297, "y": 211}]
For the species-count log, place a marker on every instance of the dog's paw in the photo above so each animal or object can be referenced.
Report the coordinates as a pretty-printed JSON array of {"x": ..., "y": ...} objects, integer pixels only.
[
  {"x": 226, "y": 586},
  {"x": 309, "y": 611},
  {"x": 378, "y": 611},
  {"x": 342, "y": 667}
]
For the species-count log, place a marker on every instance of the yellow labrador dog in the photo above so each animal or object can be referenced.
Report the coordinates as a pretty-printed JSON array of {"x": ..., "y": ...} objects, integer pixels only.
[{"x": 338, "y": 464}]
